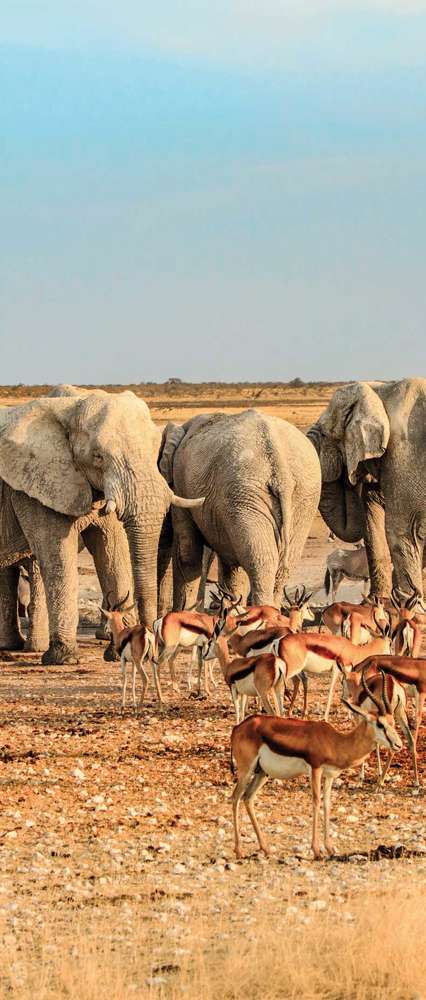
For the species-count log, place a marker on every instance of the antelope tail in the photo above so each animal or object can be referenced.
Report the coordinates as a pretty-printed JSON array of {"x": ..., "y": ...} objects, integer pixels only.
[{"x": 327, "y": 582}]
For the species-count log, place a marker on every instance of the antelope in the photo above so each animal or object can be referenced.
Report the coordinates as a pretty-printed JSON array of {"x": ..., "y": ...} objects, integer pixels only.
[
  {"x": 408, "y": 670},
  {"x": 349, "y": 563},
  {"x": 407, "y": 636},
  {"x": 265, "y": 747},
  {"x": 315, "y": 653},
  {"x": 395, "y": 702},
  {"x": 266, "y": 615},
  {"x": 261, "y": 641},
  {"x": 134, "y": 645},
  {"x": 338, "y": 617},
  {"x": 252, "y": 677},
  {"x": 187, "y": 630}
]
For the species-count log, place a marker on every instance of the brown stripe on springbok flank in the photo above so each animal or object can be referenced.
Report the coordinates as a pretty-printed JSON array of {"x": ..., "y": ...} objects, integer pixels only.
[
  {"x": 327, "y": 654},
  {"x": 264, "y": 642},
  {"x": 238, "y": 675},
  {"x": 197, "y": 629},
  {"x": 123, "y": 643}
]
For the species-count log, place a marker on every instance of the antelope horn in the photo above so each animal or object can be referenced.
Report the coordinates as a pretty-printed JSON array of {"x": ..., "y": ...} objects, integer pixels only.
[
  {"x": 394, "y": 598},
  {"x": 288, "y": 599},
  {"x": 225, "y": 593},
  {"x": 119, "y": 605},
  {"x": 386, "y": 701},
  {"x": 370, "y": 694},
  {"x": 412, "y": 601}
]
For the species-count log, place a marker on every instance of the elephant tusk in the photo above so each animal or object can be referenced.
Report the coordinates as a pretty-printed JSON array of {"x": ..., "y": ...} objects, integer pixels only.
[
  {"x": 186, "y": 504},
  {"x": 110, "y": 506}
]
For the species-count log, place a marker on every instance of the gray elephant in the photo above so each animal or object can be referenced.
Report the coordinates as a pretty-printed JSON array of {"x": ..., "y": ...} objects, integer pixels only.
[
  {"x": 59, "y": 458},
  {"x": 371, "y": 441},
  {"x": 261, "y": 480},
  {"x": 22, "y": 588}
]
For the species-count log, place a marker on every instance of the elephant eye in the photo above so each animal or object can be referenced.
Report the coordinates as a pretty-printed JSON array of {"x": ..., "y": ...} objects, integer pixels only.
[{"x": 97, "y": 458}]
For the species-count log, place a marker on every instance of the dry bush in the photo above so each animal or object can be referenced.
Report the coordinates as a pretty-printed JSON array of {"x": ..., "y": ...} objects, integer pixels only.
[{"x": 371, "y": 949}]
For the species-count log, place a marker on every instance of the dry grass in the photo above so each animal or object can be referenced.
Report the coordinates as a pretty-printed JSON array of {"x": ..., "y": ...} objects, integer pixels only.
[{"x": 373, "y": 948}]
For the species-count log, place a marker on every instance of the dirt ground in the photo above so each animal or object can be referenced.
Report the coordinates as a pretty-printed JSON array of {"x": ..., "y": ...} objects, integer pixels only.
[
  {"x": 123, "y": 821},
  {"x": 127, "y": 817}
]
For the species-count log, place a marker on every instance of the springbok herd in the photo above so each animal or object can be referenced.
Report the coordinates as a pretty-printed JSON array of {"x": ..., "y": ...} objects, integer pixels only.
[{"x": 264, "y": 653}]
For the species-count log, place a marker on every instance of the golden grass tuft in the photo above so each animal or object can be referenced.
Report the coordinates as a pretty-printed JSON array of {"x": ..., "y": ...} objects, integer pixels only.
[{"x": 372, "y": 948}]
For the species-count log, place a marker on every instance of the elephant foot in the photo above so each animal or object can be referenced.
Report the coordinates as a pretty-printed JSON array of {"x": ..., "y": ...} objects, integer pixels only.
[
  {"x": 58, "y": 653},
  {"x": 15, "y": 643},
  {"x": 34, "y": 646}
]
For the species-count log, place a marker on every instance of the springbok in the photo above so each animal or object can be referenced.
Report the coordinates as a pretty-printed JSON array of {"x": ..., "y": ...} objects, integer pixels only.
[
  {"x": 316, "y": 653},
  {"x": 266, "y": 615},
  {"x": 408, "y": 670},
  {"x": 187, "y": 630},
  {"x": 395, "y": 701},
  {"x": 407, "y": 636},
  {"x": 252, "y": 677},
  {"x": 338, "y": 617},
  {"x": 262, "y": 640},
  {"x": 265, "y": 747},
  {"x": 351, "y": 564},
  {"x": 134, "y": 645}
]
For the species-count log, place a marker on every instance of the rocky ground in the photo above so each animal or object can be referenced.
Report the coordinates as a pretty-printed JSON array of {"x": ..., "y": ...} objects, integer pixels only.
[{"x": 126, "y": 817}]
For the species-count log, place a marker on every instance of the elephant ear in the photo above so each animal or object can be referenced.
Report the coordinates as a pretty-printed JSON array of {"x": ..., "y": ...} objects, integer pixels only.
[
  {"x": 357, "y": 421},
  {"x": 36, "y": 459},
  {"x": 173, "y": 434}
]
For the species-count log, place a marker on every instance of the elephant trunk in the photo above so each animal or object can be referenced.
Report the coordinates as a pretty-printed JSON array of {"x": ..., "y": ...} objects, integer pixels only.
[
  {"x": 143, "y": 502},
  {"x": 143, "y": 545},
  {"x": 340, "y": 504},
  {"x": 342, "y": 510}
]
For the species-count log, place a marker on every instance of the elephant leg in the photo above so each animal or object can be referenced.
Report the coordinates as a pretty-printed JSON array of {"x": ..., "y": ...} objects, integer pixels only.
[
  {"x": 38, "y": 632},
  {"x": 207, "y": 562},
  {"x": 376, "y": 546},
  {"x": 257, "y": 554},
  {"x": 187, "y": 559},
  {"x": 107, "y": 543},
  {"x": 10, "y": 633},
  {"x": 165, "y": 568},
  {"x": 53, "y": 539},
  {"x": 406, "y": 547}
]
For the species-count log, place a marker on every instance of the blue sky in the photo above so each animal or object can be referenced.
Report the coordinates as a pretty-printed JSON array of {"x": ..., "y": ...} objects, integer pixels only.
[{"x": 226, "y": 194}]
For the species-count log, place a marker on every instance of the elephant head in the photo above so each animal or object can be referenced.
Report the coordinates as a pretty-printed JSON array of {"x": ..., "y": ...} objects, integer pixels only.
[
  {"x": 66, "y": 449},
  {"x": 350, "y": 437}
]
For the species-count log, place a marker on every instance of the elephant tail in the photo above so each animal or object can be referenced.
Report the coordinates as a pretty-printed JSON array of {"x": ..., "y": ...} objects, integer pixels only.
[{"x": 284, "y": 548}]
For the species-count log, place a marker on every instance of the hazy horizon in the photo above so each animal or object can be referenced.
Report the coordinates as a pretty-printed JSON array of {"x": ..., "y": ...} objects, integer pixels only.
[{"x": 234, "y": 194}]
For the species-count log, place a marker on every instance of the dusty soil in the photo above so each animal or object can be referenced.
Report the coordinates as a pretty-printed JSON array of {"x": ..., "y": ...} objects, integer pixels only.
[{"x": 129, "y": 815}]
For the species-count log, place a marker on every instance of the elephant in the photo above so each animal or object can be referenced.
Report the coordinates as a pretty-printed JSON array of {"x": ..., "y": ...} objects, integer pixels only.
[
  {"x": 72, "y": 463},
  {"x": 371, "y": 441},
  {"x": 22, "y": 591},
  {"x": 261, "y": 479}
]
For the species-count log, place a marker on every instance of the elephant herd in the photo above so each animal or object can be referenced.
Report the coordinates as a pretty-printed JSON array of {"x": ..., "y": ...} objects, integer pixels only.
[{"x": 91, "y": 468}]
